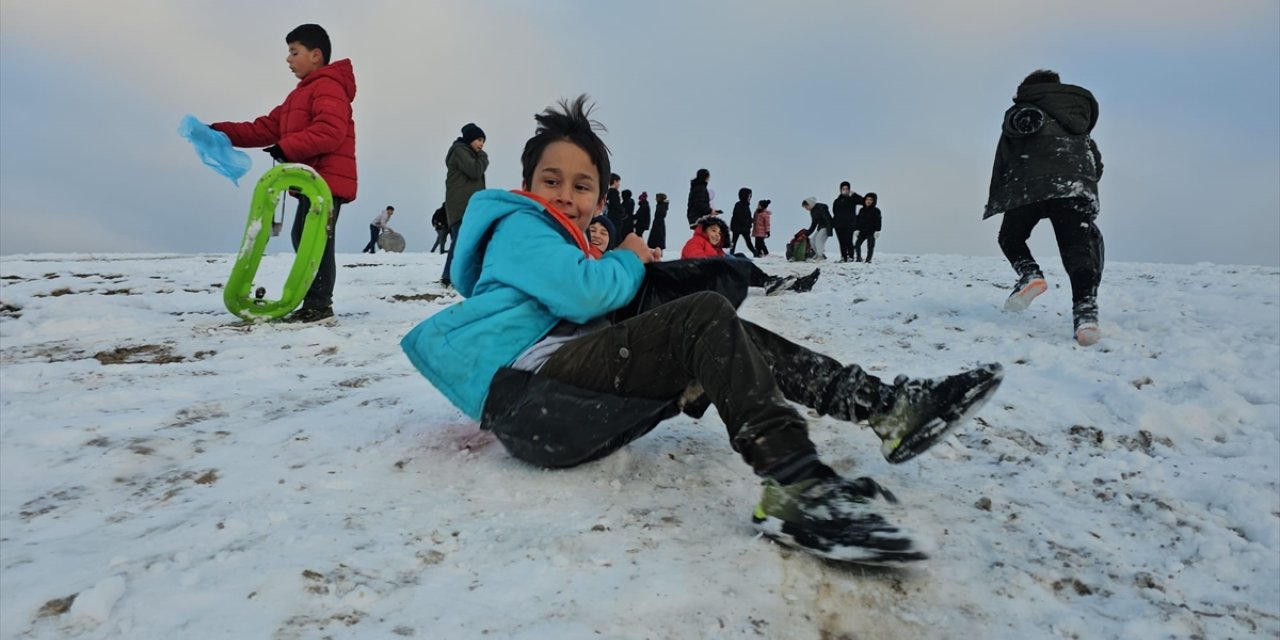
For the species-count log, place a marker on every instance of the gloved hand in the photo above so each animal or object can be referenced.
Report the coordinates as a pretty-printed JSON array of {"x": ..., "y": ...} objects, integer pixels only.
[
  {"x": 877, "y": 235},
  {"x": 276, "y": 153}
]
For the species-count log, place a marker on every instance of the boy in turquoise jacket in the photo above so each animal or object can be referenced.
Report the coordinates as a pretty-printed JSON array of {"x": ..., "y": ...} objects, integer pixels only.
[{"x": 533, "y": 355}]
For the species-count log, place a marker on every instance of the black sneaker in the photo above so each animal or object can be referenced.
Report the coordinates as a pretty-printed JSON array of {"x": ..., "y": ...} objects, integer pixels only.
[
  {"x": 1030, "y": 285},
  {"x": 778, "y": 285},
  {"x": 922, "y": 411},
  {"x": 310, "y": 315},
  {"x": 1085, "y": 316},
  {"x": 836, "y": 519},
  {"x": 805, "y": 284}
]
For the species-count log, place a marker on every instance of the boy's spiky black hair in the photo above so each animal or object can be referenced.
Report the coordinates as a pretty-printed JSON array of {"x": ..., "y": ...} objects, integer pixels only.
[
  {"x": 571, "y": 122},
  {"x": 311, "y": 36},
  {"x": 1041, "y": 76}
]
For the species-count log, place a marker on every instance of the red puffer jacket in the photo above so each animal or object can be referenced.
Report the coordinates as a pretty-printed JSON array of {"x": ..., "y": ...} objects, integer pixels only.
[
  {"x": 699, "y": 246},
  {"x": 313, "y": 126}
]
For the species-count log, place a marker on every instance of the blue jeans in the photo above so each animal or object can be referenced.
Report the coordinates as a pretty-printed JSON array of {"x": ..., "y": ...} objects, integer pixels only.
[{"x": 453, "y": 244}]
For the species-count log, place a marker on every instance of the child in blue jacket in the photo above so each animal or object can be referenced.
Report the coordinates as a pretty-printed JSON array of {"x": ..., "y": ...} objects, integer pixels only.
[{"x": 533, "y": 355}]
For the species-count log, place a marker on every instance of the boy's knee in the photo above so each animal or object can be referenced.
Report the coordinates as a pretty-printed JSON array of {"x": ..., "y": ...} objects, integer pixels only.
[{"x": 709, "y": 303}]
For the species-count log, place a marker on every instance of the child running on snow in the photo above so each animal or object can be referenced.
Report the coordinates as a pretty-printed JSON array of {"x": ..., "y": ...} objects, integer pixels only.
[{"x": 531, "y": 354}]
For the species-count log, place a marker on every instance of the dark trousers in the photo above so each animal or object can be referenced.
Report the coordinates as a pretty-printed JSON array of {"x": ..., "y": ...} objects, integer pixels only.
[
  {"x": 1079, "y": 241},
  {"x": 374, "y": 232},
  {"x": 453, "y": 244},
  {"x": 870, "y": 238},
  {"x": 746, "y": 371},
  {"x": 760, "y": 249},
  {"x": 320, "y": 295},
  {"x": 845, "y": 236},
  {"x": 442, "y": 238},
  {"x": 737, "y": 235}
]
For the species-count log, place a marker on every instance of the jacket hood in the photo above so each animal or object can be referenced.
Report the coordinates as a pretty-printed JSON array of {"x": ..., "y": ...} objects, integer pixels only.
[
  {"x": 485, "y": 210},
  {"x": 1073, "y": 107},
  {"x": 340, "y": 72}
]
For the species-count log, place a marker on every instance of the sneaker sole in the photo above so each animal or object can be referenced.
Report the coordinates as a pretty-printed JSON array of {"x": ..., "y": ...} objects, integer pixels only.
[
  {"x": 1020, "y": 300},
  {"x": 1088, "y": 335},
  {"x": 920, "y": 440},
  {"x": 773, "y": 529}
]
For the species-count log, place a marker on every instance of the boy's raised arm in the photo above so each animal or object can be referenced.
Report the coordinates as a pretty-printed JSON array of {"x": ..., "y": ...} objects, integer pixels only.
[{"x": 262, "y": 132}]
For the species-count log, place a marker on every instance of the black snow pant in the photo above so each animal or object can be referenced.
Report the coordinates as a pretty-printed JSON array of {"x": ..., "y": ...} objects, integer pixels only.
[
  {"x": 374, "y": 232},
  {"x": 760, "y": 249},
  {"x": 746, "y": 371},
  {"x": 448, "y": 261},
  {"x": 738, "y": 235},
  {"x": 320, "y": 295},
  {"x": 1079, "y": 241},
  {"x": 868, "y": 237},
  {"x": 845, "y": 236}
]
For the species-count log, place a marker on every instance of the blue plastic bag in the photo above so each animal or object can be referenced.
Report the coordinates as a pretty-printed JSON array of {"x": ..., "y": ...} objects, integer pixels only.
[{"x": 214, "y": 149}]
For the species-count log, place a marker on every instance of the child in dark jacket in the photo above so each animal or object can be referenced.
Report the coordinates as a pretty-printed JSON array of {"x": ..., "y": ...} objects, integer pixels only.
[
  {"x": 628, "y": 219},
  {"x": 1048, "y": 166},
  {"x": 532, "y": 354},
  {"x": 844, "y": 219},
  {"x": 643, "y": 218},
  {"x": 658, "y": 235},
  {"x": 740, "y": 222},
  {"x": 699, "y": 205},
  {"x": 312, "y": 126},
  {"x": 868, "y": 227},
  {"x": 440, "y": 222}
]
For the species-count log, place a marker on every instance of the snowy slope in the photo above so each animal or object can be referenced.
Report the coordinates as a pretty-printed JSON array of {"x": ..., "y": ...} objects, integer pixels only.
[{"x": 183, "y": 478}]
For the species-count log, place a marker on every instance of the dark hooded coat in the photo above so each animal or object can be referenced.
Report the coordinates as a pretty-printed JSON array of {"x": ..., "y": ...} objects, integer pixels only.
[
  {"x": 699, "y": 200},
  {"x": 1045, "y": 151}
]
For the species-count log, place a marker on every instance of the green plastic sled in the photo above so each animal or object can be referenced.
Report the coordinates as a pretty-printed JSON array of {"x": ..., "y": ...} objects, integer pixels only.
[{"x": 239, "y": 295}]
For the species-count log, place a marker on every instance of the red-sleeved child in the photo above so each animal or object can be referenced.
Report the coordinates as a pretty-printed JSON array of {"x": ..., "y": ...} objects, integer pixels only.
[{"x": 312, "y": 126}]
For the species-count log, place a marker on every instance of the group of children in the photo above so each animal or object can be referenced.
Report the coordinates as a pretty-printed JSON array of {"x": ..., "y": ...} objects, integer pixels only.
[
  {"x": 625, "y": 216},
  {"x": 541, "y": 353}
]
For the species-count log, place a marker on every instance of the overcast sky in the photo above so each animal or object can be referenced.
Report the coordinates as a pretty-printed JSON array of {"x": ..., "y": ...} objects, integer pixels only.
[{"x": 904, "y": 99}]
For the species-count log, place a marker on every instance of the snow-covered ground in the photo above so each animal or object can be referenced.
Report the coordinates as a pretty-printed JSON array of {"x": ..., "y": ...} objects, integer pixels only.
[{"x": 164, "y": 474}]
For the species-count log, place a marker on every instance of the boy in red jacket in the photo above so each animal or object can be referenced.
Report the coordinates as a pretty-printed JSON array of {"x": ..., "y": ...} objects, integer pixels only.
[{"x": 314, "y": 127}]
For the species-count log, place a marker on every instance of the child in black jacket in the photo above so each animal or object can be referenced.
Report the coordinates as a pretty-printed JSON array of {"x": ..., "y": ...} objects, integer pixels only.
[{"x": 868, "y": 227}]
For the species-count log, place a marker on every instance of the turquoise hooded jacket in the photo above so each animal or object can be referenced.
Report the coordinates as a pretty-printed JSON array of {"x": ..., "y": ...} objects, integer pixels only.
[{"x": 521, "y": 272}]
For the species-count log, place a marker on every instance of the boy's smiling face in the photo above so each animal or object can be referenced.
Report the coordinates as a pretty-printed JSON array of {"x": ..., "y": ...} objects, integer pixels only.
[
  {"x": 713, "y": 234},
  {"x": 567, "y": 178},
  {"x": 302, "y": 61},
  {"x": 599, "y": 236}
]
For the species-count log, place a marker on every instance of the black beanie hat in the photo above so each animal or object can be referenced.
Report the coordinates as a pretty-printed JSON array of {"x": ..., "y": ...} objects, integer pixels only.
[{"x": 471, "y": 132}]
